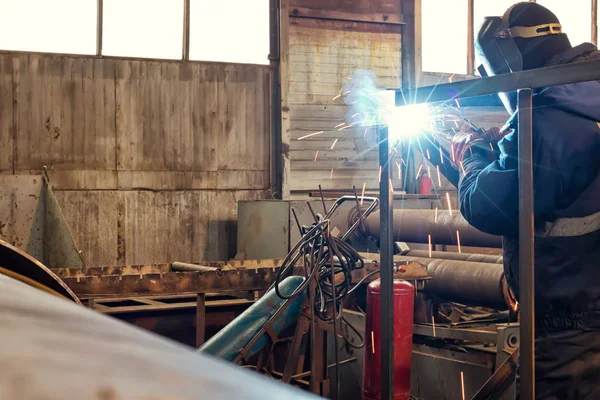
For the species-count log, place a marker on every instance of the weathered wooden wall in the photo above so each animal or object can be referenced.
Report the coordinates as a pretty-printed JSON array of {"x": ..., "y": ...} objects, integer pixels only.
[
  {"x": 328, "y": 42},
  {"x": 147, "y": 158}
]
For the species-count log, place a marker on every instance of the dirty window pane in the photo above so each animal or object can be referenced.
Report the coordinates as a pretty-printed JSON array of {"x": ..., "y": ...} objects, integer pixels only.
[
  {"x": 57, "y": 26},
  {"x": 575, "y": 17},
  {"x": 230, "y": 31},
  {"x": 143, "y": 28},
  {"x": 444, "y": 25}
]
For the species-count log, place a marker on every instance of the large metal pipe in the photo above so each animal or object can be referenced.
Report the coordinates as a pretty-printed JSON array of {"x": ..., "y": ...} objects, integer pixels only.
[
  {"x": 468, "y": 282},
  {"x": 450, "y": 255},
  {"x": 417, "y": 225}
]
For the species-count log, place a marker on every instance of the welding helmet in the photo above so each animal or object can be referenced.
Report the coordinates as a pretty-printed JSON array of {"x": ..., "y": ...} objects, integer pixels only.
[{"x": 523, "y": 38}]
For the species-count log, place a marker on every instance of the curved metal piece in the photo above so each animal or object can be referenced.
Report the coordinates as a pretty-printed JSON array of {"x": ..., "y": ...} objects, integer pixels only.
[
  {"x": 416, "y": 225},
  {"x": 19, "y": 262}
]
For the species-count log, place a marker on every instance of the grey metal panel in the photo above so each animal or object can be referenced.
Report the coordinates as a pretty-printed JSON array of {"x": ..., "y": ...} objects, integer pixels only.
[{"x": 263, "y": 229}]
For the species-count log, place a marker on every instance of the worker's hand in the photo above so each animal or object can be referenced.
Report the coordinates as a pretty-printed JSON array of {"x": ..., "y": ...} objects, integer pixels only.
[{"x": 464, "y": 141}]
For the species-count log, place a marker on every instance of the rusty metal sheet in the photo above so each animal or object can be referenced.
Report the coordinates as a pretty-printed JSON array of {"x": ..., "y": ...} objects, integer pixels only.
[
  {"x": 19, "y": 199},
  {"x": 148, "y": 280}
]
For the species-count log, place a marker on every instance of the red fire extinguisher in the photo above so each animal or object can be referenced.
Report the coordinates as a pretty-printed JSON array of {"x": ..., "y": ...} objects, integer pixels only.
[
  {"x": 425, "y": 183},
  {"x": 404, "y": 300}
]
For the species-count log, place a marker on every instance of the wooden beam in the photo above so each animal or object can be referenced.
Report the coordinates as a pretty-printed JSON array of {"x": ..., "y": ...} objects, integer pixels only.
[{"x": 317, "y": 13}]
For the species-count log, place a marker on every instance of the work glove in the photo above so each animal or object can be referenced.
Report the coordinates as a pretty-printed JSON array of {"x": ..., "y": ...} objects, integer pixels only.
[{"x": 464, "y": 142}]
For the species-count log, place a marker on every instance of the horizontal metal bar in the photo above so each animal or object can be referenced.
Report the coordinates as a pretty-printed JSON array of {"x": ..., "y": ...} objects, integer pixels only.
[
  {"x": 472, "y": 335},
  {"x": 536, "y": 78}
]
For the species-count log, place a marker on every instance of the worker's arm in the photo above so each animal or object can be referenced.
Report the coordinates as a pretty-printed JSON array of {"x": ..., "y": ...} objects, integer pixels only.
[{"x": 489, "y": 192}]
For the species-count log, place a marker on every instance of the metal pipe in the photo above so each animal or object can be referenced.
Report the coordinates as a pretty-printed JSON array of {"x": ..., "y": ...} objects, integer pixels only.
[
  {"x": 416, "y": 225},
  {"x": 386, "y": 247},
  {"x": 526, "y": 242},
  {"x": 99, "y": 26},
  {"x": 181, "y": 266},
  {"x": 450, "y": 255},
  {"x": 468, "y": 282},
  {"x": 186, "y": 30}
]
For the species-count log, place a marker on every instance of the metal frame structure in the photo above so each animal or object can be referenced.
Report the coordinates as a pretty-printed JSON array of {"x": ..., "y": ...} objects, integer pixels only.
[{"x": 524, "y": 82}]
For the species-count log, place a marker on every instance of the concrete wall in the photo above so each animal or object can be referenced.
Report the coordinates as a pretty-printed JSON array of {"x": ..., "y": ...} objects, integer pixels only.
[{"x": 147, "y": 158}]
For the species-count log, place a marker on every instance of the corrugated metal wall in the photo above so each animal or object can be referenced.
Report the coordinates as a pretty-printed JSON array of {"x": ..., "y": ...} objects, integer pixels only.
[
  {"x": 147, "y": 158},
  {"x": 325, "y": 48}
]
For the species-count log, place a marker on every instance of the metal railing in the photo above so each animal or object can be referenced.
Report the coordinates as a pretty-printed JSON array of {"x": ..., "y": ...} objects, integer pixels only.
[{"x": 523, "y": 82}]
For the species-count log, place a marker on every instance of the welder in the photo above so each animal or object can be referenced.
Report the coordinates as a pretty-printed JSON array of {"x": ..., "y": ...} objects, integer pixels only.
[{"x": 566, "y": 164}]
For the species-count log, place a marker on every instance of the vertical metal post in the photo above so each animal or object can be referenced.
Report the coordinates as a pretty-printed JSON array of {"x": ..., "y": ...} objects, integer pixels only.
[
  {"x": 99, "y": 22},
  {"x": 526, "y": 249},
  {"x": 200, "y": 318},
  {"x": 275, "y": 95},
  {"x": 595, "y": 22},
  {"x": 471, "y": 37},
  {"x": 186, "y": 30},
  {"x": 386, "y": 246}
]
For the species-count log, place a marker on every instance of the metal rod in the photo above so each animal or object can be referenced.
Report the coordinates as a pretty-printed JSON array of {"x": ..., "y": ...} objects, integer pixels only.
[
  {"x": 470, "y": 37},
  {"x": 534, "y": 78},
  {"x": 99, "y": 27},
  {"x": 595, "y": 22},
  {"x": 526, "y": 241},
  {"x": 386, "y": 247},
  {"x": 186, "y": 30}
]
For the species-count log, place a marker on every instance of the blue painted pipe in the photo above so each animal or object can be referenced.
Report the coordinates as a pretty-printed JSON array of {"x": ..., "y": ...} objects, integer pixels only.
[{"x": 229, "y": 341}]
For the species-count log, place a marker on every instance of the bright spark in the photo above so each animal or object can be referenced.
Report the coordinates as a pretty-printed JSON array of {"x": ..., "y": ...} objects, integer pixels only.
[
  {"x": 458, "y": 241},
  {"x": 449, "y": 204},
  {"x": 441, "y": 155},
  {"x": 439, "y": 176},
  {"x": 354, "y": 115},
  {"x": 334, "y": 143},
  {"x": 380, "y": 174},
  {"x": 338, "y": 125},
  {"x": 309, "y": 135},
  {"x": 403, "y": 162},
  {"x": 429, "y": 239},
  {"x": 365, "y": 135},
  {"x": 428, "y": 156},
  {"x": 462, "y": 384},
  {"x": 491, "y": 147},
  {"x": 331, "y": 174},
  {"x": 372, "y": 342},
  {"x": 452, "y": 153},
  {"x": 316, "y": 155},
  {"x": 399, "y": 170},
  {"x": 435, "y": 217},
  {"x": 433, "y": 324},
  {"x": 346, "y": 92},
  {"x": 419, "y": 171},
  {"x": 462, "y": 167},
  {"x": 362, "y": 196},
  {"x": 429, "y": 171}
]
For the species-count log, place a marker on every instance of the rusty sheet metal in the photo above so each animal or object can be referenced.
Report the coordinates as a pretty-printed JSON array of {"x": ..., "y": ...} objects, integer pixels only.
[
  {"x": 158, "y": 279},
  {"x": 23, "y": 264},
  {"x": 351, "y": 6}
]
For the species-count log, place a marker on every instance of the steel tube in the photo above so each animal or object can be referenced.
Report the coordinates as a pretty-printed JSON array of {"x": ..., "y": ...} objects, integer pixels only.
[
  {"x": 469, "y": 282},
  {"x": 416, "y": 225},
  {"x": 534, "y": 78},
  {"x": 386, "y": 247},
  {"x": 526, "y": 241},
  {"x": 181, "y": 266},
  {"x": 450, "y": 255}
]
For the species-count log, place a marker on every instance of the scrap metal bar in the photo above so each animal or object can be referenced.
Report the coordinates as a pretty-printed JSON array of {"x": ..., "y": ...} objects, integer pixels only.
[
  {"x": 500, "y": 381},
  {"x": 415, "y": 226},
  {"x": 386, "y": 247},
  {"x": 526, "y": 242},
  {"x": 181, "y": 266},
  {"x": 471, "y": 335},
  {"x": 536, "y": 78}
]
